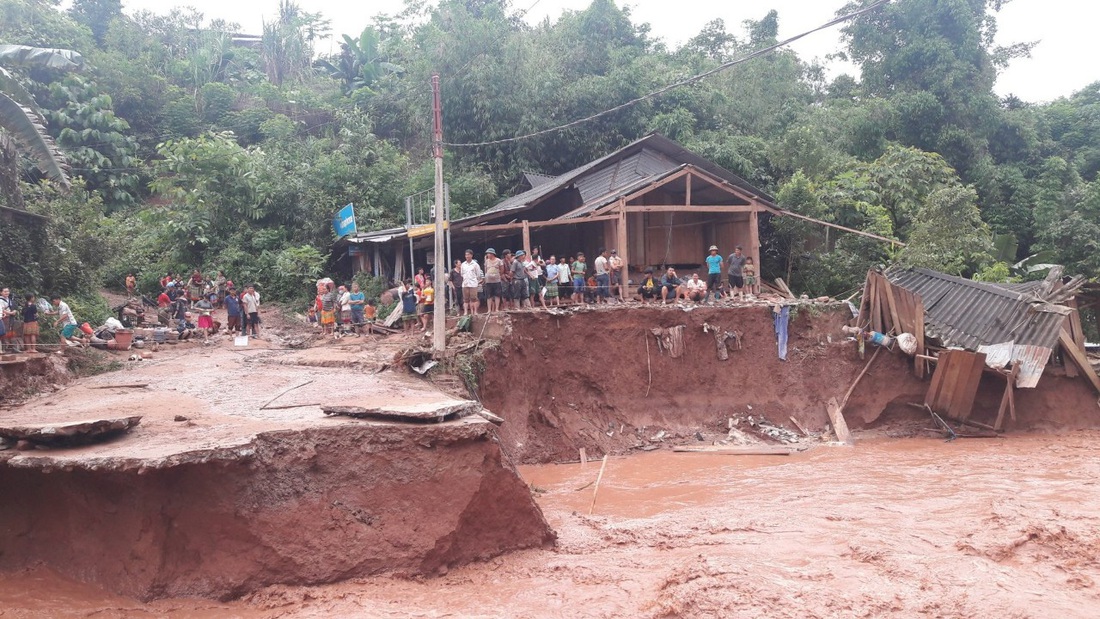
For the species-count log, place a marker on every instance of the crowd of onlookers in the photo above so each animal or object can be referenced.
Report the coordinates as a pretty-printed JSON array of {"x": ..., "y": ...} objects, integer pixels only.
[
  {"x": 188, "y": 304},
  {"x": 519, "y": 280}
]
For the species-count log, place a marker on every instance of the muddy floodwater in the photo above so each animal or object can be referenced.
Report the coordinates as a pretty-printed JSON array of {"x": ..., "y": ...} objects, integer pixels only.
[{"x": 892, "y": 527}]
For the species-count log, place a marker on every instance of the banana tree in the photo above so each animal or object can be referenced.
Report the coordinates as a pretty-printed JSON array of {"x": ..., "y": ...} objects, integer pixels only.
[
  {"x": 359, "y": 64},
  {"x": 22, "y": 124}
]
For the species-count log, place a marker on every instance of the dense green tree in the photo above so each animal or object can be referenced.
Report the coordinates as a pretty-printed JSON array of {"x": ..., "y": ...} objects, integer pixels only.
[{"x": 97, "y": 15}]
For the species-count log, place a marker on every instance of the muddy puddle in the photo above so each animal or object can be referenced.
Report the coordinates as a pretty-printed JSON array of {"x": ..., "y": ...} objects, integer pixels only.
[{"x": 913, "y": 527}]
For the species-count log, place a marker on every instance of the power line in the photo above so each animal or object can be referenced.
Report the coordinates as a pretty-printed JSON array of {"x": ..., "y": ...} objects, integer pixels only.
[{"x": 685, "y": 82}]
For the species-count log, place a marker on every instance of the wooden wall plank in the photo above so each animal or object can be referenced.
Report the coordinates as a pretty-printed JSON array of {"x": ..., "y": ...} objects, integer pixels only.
[
  {"x": 970, "y": 376},
  {"x": 918, "y": 313}
]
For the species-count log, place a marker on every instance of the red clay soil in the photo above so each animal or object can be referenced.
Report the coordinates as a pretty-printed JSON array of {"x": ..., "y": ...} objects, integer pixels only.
[
  {"x": 297, "y": 507},
  {"x": 565, "y": 382}
]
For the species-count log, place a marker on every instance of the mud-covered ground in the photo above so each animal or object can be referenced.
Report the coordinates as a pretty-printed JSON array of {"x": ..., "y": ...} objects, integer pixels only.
[
  {"x": 912, "y": 527},
  {"x": 1006, "y": 527}
]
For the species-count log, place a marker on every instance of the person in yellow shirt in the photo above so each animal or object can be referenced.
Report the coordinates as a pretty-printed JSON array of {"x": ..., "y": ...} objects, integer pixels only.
[
  {"x": 427, "y": 303},
  {"x": 650, "y": 287}
]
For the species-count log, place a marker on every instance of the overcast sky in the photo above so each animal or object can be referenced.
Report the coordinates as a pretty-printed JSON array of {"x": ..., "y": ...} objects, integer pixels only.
[{"x": 1063, "y": 62}]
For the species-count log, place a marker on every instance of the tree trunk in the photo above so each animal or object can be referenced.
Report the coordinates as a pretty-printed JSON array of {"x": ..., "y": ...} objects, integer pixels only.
[{"x": 9, "y": 174}]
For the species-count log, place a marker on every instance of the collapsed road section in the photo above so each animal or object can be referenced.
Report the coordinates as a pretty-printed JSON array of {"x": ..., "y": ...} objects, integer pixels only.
[{"x": 211, "y": 495}]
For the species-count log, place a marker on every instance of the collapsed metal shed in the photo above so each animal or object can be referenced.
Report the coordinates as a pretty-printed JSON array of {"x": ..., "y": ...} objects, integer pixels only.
[{"x": 1008, "y": 323}]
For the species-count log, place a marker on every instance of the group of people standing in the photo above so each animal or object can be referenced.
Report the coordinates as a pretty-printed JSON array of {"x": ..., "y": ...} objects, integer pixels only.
[
  {"x": 19, "y": 322},
  {"x": 516, "y": 281},
  {"x": 340, "y": 310},
  {"x": 189, "y": 304}
]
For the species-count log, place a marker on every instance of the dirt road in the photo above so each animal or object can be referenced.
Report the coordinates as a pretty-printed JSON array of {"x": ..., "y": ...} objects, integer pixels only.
[{"x": 911, "y": 527}]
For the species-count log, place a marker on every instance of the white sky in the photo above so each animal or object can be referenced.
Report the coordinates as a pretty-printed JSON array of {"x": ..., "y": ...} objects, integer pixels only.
[{"x": 1063, "y": 62}]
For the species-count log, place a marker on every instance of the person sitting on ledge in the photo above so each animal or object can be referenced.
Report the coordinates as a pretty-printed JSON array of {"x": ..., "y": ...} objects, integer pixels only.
[
  {"x": 670, "y": 285},
  {"x": 649, "y": 286},
  {"x": 696, "y": 288}
]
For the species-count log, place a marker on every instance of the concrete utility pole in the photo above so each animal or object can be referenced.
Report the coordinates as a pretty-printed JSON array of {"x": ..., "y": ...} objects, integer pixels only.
[{"x": 439, "y": 324}]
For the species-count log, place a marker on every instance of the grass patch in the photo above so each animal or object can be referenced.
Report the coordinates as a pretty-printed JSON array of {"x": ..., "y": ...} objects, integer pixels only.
[{"x": 91, "y": 362}]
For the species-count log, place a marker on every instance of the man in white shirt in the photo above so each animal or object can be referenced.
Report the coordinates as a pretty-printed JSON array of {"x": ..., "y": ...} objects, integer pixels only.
[
  {"x": 250, "y": 311},
  {"x": 603, "y": 278},
  {"x": 615, "y": 269},
  {"x": 65, "y": 319},
  {"x": 696, "y": 288},
  {"x": 471, "y": 277}
]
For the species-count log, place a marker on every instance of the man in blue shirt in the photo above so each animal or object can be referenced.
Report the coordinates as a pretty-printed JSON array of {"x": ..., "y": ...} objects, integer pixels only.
[
  {"x": 714, "y": 273},
  {"x": 232, "y": 309}
]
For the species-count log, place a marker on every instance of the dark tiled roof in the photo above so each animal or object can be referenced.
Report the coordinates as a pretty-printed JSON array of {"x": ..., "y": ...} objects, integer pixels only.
[{"x": 606, "y": 179}]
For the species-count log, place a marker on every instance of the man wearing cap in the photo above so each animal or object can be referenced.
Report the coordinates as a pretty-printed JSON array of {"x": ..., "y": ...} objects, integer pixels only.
[
  {"x": 615, "y": 268},
  {"x": 493, "y": 270},
  {"x": 520, "y": 285},
  {"x": 471, "y": 277},
  {"x": 714, "y": 274},
  {"x": 737, "y": 265},
  {"x": 649, "y": 286},
  {"x": 603, "y": 278}
]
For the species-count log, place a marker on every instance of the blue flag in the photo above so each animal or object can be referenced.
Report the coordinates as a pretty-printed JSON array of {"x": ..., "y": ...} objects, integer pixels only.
[{"x": 344, "y": 222}]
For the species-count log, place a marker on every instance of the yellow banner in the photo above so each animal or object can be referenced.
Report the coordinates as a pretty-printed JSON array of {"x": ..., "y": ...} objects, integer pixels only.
[{"x": 425, "y": 229}]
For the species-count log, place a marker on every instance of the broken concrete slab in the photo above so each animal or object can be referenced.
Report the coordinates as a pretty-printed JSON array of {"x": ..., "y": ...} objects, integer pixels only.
[
  {"x": 424, "y": 412},
  {"x": 70, "y": 433}
]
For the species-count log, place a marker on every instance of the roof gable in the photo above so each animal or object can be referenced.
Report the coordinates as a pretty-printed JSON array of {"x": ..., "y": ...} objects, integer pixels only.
[{"x": 614, "y": 175}]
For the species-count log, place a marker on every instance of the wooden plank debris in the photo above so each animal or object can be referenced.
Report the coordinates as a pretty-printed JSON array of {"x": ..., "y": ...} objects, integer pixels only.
[
  {"x": 596, "y": 490},
  {"x": 955, "y": 383},
  {"x": 920, "y": 365},
  {"x": 1008, "y": 400},
  {"x": 836, "y": 417},
  {"x": 852, "y": 388},
  {"x": 782, "y": 285},
  {"x": 798, "y": 425},
  {"x": 1078, "y": 357},
  {"x": 120, "y": 386}
]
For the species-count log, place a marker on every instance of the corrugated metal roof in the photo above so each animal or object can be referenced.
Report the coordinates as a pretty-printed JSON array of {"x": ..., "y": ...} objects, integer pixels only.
[
  {"x": 534, "y": 179},
  {"x": 968, "y": 314},
  {"x": 378, "y": 236},
  {"x": 1006, "y": 322}
]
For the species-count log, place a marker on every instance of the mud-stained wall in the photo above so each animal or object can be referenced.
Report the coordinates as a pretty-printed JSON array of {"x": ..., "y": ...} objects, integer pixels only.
[
  {"x": 293, "y": 507},
  {"x": 581, "y": 380}
]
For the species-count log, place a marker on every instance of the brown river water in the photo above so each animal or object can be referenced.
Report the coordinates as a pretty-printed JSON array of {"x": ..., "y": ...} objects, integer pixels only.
[{"x": 1006, "y": 528}]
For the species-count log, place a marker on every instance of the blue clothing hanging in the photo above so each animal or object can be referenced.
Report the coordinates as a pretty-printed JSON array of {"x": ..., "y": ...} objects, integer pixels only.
[{"x": 781, "y": 320}]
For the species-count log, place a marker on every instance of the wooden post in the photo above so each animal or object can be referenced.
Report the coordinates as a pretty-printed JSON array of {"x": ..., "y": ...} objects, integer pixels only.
[
  {"x": 754, "y": 240},
  {"x": 526, "y": 237},
  {"x": 624, "y": 275},
  {"x": 1077, "y": 356},
  {"x": 892, "y": 304},
  {"x": 840, "y": 427},
  {"x": 1008, "y": 398},
  {"x": 921, "y": 365},
  {"x": 687, "y": 198}
]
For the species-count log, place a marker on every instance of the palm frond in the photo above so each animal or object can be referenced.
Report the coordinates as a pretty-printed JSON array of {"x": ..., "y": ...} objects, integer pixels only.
[{"x": 40, "y": 57}]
